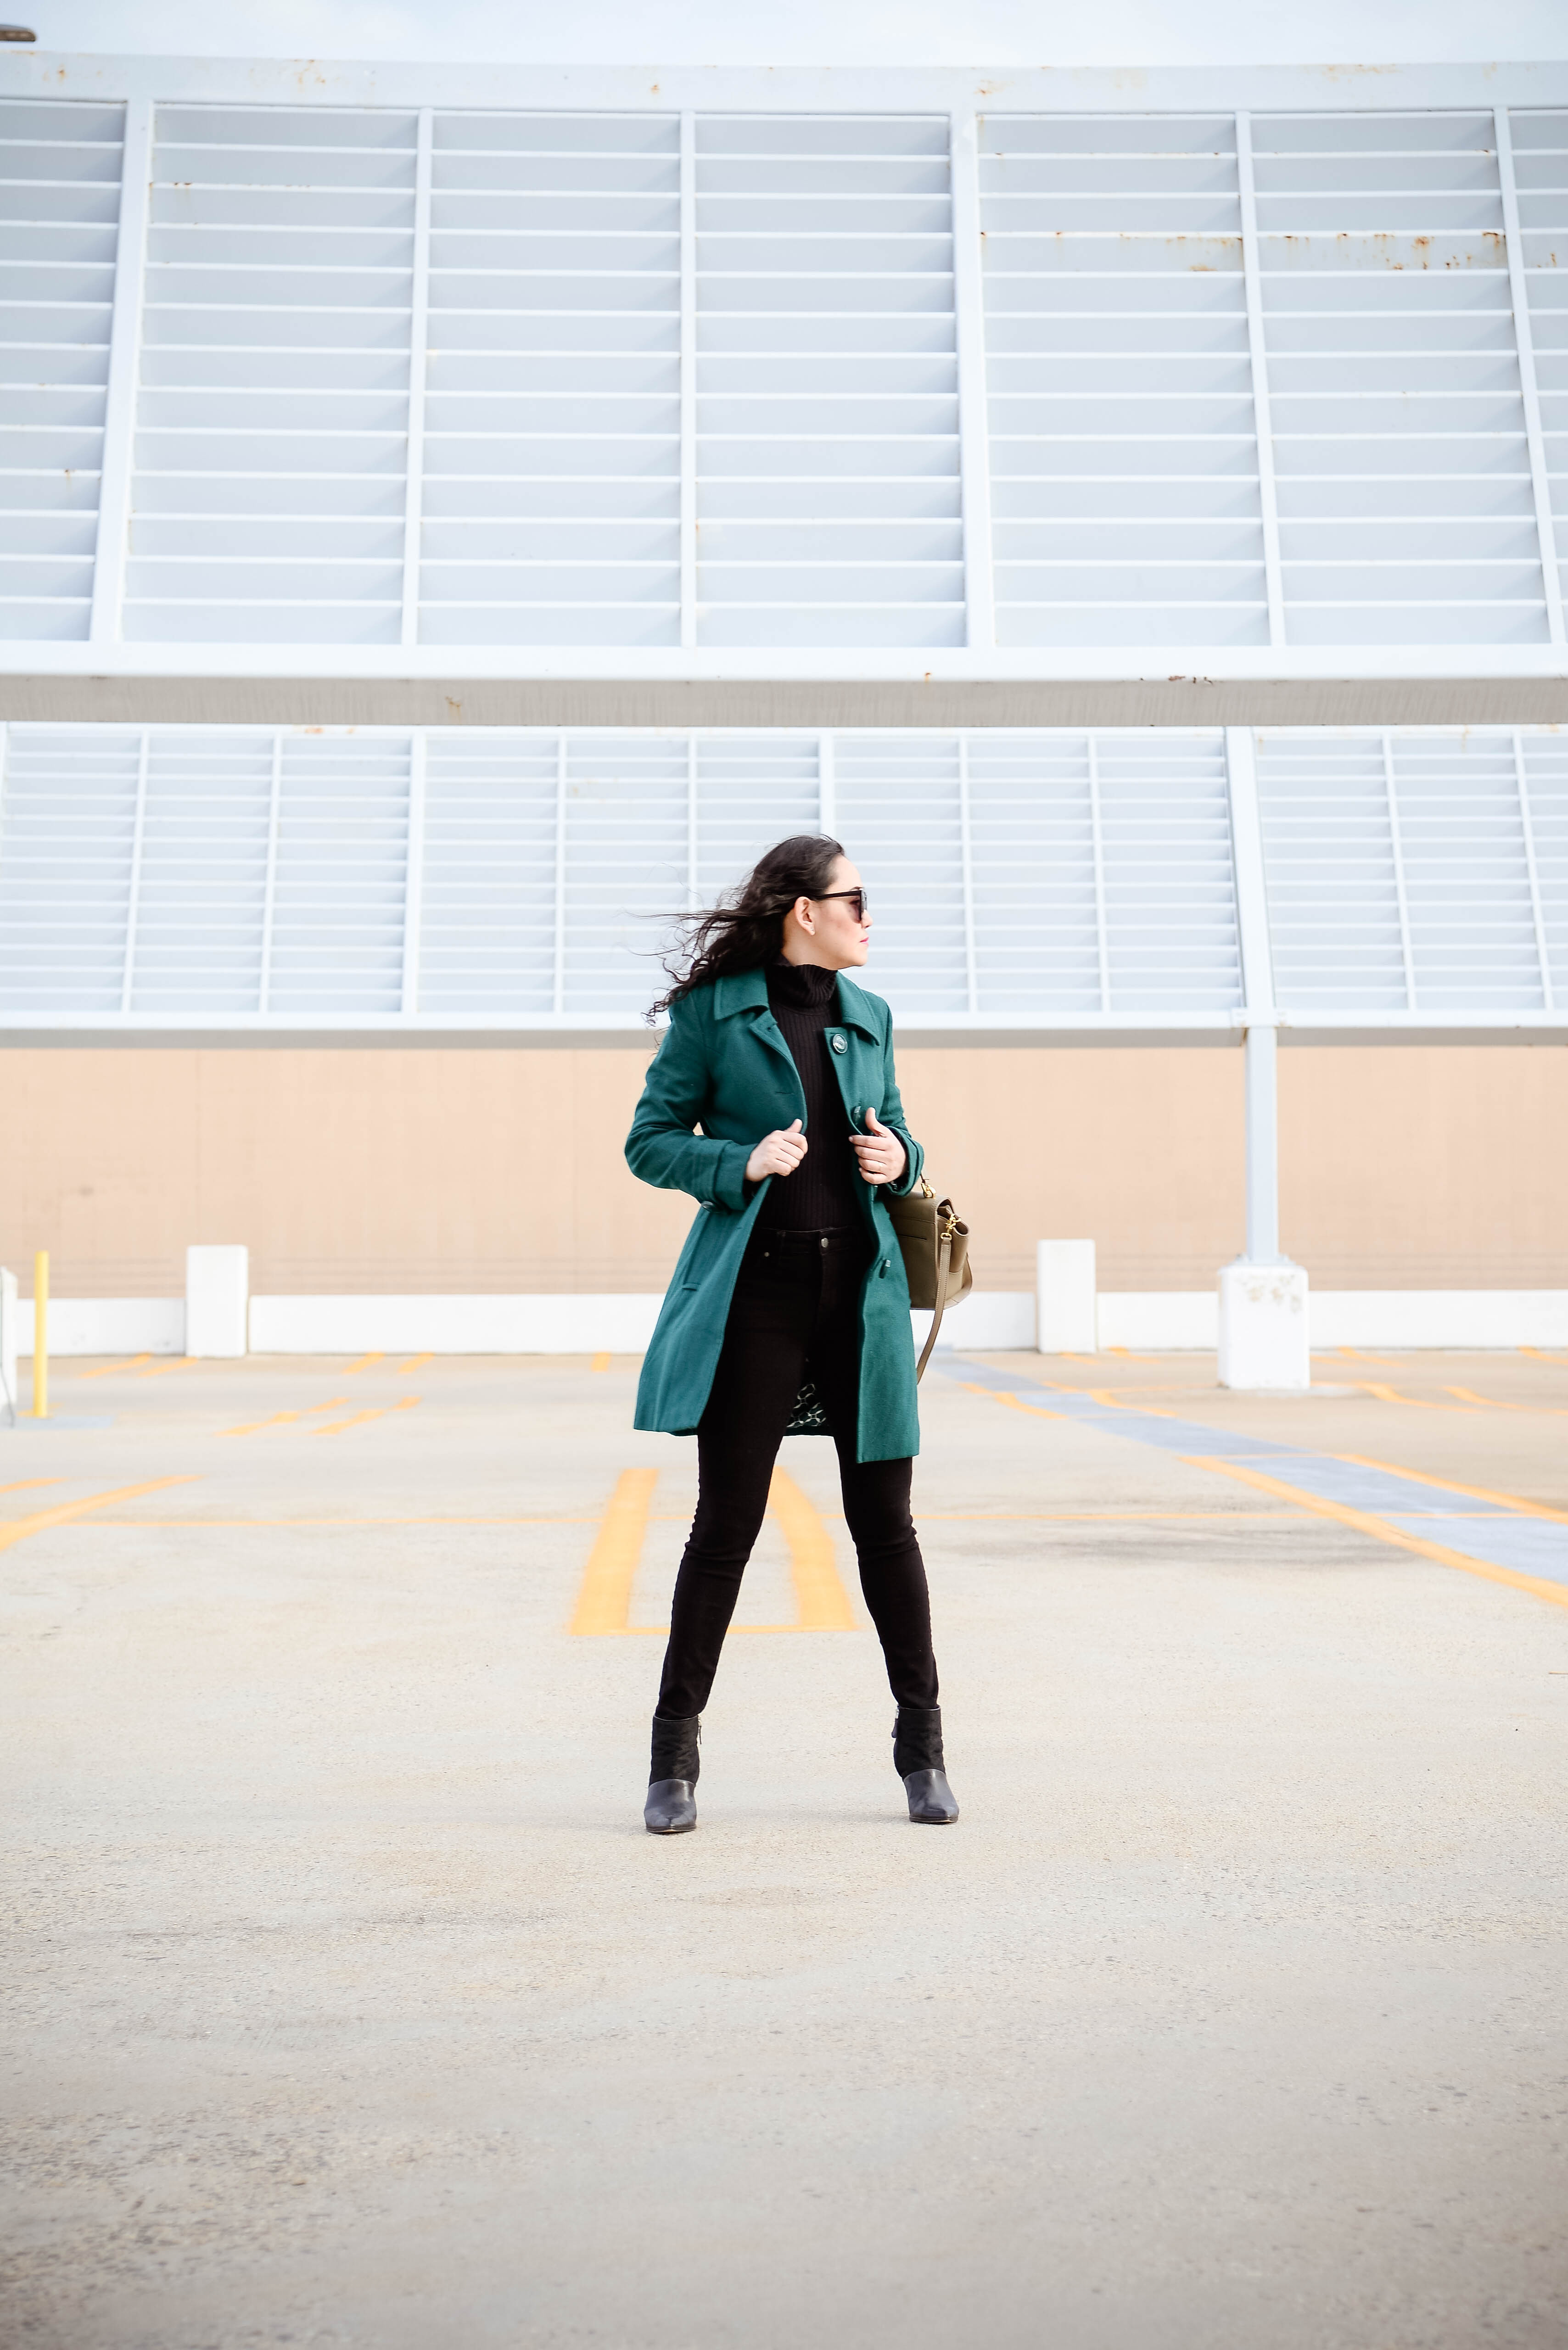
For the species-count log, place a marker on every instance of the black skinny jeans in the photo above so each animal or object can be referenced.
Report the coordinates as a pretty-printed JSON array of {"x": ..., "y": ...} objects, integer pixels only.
[{"x": 795, "y": 1309}]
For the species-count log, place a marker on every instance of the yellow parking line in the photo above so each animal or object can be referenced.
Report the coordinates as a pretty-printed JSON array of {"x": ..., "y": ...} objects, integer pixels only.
[
  {"x": 603, "y": 1602},
  {"x": 1536, "y": 1356},
  {"x": 21, "y": 1483},
  {"x": 281, "y": 1418},
  {"x": 201, "y": 1525},
  {"x": 1000, "y": 1395},
  {"x": 1363, "y": 1521},
  {"x": 133, "y": 1363},
  {"x": 1088, "y": 1517},
  {"x": 178, "y": 1363},
  {"x": 19, "y": 1528},
  {"x": 600, "y": 1362},
  {"x": 363, "y": 1364},
  {"x": 1494, "y": 1404},
  {"x": 820, "y": 1597},
  {"x": 1416, "y": 1403},
  {"x": 413, "y": 1362},
  {"x": 1471, "y": 1492},
  {"x": 382, "y": 1411},
  {"x": 604, "y": 1599}
]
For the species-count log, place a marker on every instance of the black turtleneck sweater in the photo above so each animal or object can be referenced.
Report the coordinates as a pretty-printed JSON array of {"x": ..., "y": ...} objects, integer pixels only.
[{"x": 823, "y": 1191}]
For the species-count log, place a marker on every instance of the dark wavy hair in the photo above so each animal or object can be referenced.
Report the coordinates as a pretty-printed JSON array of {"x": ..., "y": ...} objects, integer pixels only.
[{"x": 747, "y": 927}]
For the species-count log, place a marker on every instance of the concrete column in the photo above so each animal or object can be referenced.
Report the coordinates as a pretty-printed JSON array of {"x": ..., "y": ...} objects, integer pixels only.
[
  {"x": 1264, "y": 1335},
  {"x": 1264, "y": 1340},
  {"x": 1065, "y": 1311},
  {"x": 217, "y": 1300}
]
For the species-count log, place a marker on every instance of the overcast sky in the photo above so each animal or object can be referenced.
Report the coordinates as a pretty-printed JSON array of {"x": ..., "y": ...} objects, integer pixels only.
[{"x": 817, "y": 32}]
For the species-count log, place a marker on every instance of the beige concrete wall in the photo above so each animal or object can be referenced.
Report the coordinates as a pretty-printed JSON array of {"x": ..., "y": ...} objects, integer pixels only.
[{"x": 433, "y": 1169}]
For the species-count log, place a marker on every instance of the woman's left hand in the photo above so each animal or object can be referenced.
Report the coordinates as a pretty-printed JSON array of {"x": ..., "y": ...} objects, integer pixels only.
[{"x": 881, "y": 1154}]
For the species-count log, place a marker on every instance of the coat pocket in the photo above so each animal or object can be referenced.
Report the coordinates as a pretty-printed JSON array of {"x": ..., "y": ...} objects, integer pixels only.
[{"x": 692, "y": 1271}]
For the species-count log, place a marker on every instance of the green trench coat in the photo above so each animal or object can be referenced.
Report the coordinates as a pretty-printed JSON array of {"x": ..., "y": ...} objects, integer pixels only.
[{"x": 724, "y": 1067}]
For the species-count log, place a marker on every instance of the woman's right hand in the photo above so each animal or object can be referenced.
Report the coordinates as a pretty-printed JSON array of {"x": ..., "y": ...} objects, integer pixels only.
[{"x": 779, "y": 1153}]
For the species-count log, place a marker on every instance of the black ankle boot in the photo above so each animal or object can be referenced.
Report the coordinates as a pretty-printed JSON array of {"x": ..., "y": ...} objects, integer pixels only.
[
  {"x": 672, "y": 1807},
  {"x": 918, "y": 1760}
]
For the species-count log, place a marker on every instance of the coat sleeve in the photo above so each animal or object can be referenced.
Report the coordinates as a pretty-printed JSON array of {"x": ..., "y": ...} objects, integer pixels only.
[
  {"x": 662, "y": 1148},
  {"x": 892, "y": 1114}
]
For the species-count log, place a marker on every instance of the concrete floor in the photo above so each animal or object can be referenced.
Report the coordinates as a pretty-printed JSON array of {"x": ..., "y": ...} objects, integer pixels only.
[{"x": 348, "y": 2003}]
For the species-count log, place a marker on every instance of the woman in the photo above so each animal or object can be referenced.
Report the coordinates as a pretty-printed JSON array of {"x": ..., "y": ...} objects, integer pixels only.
[{"x": 789, "y": 1308}]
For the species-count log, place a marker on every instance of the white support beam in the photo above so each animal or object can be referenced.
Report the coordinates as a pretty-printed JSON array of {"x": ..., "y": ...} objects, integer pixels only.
[
  {"x": 687, "y": 379},
  {"x": 1258, "y": 1011},
  {"x": 1263, "y": 1123},
  {"x": 419, "y": 369},
  {"x": 1397, "y": 850},
  {"x": 1532, "y": 869},
  {"x": 1524, "y": 349},
  {"x": 974, "y": 429},
  {"x": 1251, "y": 887},
  {"x": 113, "y": 542},
  {"x": 1257, "y": 345},
  {"x": 414, "y": 874}
]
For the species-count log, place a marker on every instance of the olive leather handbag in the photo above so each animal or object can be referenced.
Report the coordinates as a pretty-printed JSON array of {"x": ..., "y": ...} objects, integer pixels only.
[{"x": 935, "y": 1247}]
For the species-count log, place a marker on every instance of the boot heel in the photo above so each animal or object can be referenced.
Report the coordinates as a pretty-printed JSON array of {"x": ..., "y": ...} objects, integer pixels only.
[
  {"x": 670, "y": 1808},
  {"x": 918, "y": 1760}
]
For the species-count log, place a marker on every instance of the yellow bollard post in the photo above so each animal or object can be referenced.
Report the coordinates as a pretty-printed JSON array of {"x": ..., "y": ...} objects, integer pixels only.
[{"x": 41, "y": 1335}]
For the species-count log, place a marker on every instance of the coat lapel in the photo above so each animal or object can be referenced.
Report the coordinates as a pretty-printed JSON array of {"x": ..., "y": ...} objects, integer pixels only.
[{"x": 744, "y": 995}]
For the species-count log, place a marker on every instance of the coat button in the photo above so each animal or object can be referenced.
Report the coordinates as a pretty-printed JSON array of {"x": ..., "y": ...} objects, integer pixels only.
[
  {"x": 882, "y": 1270},
  {"x": 839, "y": 1045}
]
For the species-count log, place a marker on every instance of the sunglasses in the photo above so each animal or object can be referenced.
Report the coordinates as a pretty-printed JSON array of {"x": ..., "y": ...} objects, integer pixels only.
[{"x": 862, "y": 902}]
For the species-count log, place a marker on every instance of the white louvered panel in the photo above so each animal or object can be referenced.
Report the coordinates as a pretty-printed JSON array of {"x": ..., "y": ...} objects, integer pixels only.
[
  {"x": 67, "y": 824},
  {"x": 1037, "y": 932},
  {"x": 267, "y": 501},
  {"x": 1401, "y": 462},
  {"x": 1124, "y": 493},
  {"x": 1333, "y": 888},
  {"x": 1541, "y": 176},
  {"x": 1103, "y": 879},
  {"x": 488, "y": 901},
  {"x": 59, "y": 212},
  {"x": 1544, "y": 760},
  {"x": 1473, "y": 945},
  {"x": 899, "y": 819},
  {"x": 1170, "y": 890},
  {"x": 202, "y": 872},
  {"x": 827, "y": 491},
  {"x": 624, "y": 867},
  {"x": 1399, "y": 871},
  {"x": 751, "y": 791},
  {"x": 552, "y": 440},
  {"x": 338, "y": 923}
]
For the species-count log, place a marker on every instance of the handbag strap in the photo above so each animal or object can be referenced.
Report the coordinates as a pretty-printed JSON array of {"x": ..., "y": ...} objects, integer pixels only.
[{"x": 944, "y": 1265}]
